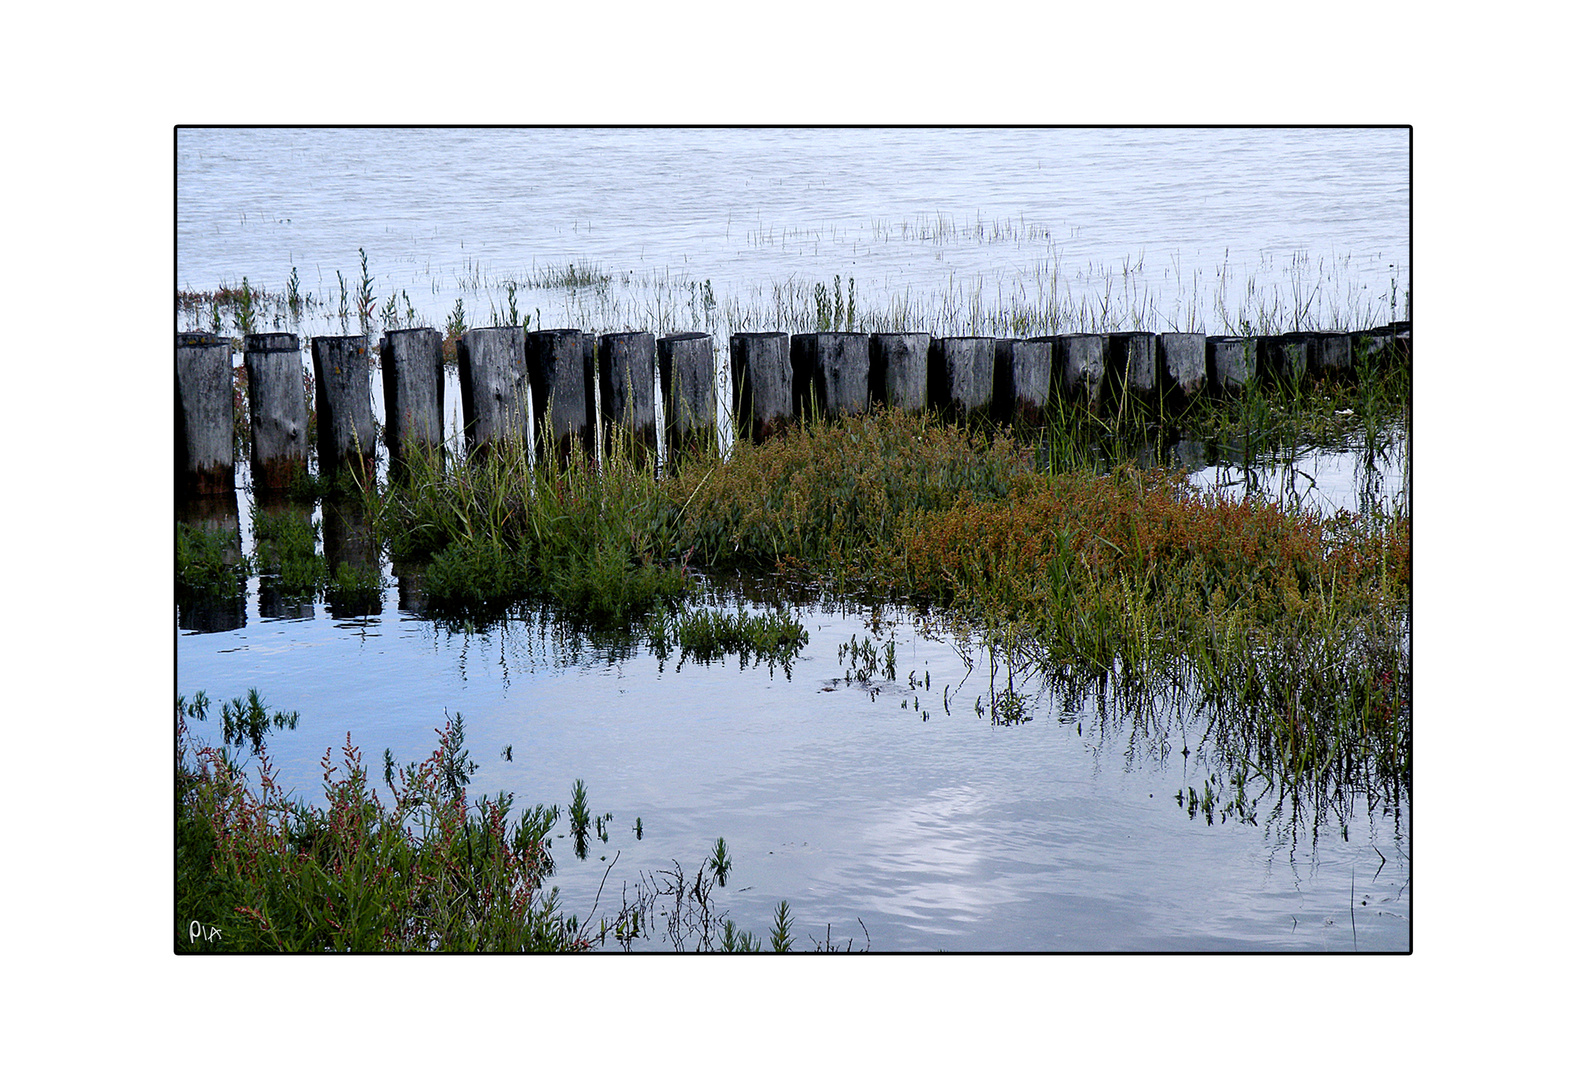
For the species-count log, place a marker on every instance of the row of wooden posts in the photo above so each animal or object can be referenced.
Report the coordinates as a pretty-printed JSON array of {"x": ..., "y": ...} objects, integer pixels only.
[{"x": 775, "y": 379}]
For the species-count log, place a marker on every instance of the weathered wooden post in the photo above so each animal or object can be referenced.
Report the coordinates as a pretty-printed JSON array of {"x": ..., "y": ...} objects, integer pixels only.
[
  {"x": 831, "y": 374},
  {"x": 1081, "y": 364},
  {"x": 627, "y": 393},
  {"x": 959, "y": 372},
  {"x": 495, "y": 388},
  {"x": 688, "y": 392},
  {"x": 1231, "y": 364},
  {"x": 898, "y": 365},
  {"x": 1182, "y": 367},
  {"x": 1283, "y": 359},
  {"x": 344, "y": 415},
  {"x": 278, "y": 414},
  {"x": 205, "y": 415},
  {"x": 1131, "y": 365},
  {"x": 1332, "y": 356},
  {"x": 563, "y": 392},
  {"x": 762, "y": 384},
  {"x": 414, "y": 379},
  {"x": 1022, "y": 380}
]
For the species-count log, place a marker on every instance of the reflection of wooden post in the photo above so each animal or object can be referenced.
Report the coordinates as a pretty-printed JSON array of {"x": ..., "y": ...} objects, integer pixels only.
[
  {"x": 344, "y": 414},
  {"x": 627, "y": 391},
  {"x": 762, "y": 379},
  {"x": 831, "y": 374},
  {"x": 1081, "y": 367},
  {"x": 897, "y": 370},
  {"x": 959, "y": 375},
  {"x": 278, "y": 415},
  {"x": 414, "y": 381},
  {"x": 1231, "y": 363},
  {"x": 205, "y": 408},
  {"x": 495, "y": 385},
  {"x": 1022, "y": 378},
  {"x": 273, "y": 604},
  {"x": 558, "y": 366},
  {"x": 1182, "y": 367},
  {"x": 349, "y": 542},
  {"x": 204, "y": 611},
  {"x": 688, "y": 391}
]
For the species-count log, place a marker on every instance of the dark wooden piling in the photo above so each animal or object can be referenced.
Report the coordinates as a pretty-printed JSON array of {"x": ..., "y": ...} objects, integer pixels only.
[
  {"x": 762, "y": 384},
  {"x": 898, "y": 365},
  {"x": 627, "y": 392},
  {"x": 1332, "y": 356},
  {"x": 688, "y": 392},
  {"x": 560, "y": 364},
  {"x": 1021, "y": 380},
  {"x": 344, "y": 415},
  {"x": 831, "y": 374},
  {"x": 1281, "y": 360},
  {"x": 277, "y": 410},
  {"x": 1131, "y": 366},
  {"x": 1181, "y": 367},
  {"x": 413, "y": 377},
  {"x": 960, "y": 377},
  {"x": 205, "y": 415},
  {"x": 495, "y": 387},
  {"x": 1231, "y": 364},
  {"x": 1080, "y": 367}
]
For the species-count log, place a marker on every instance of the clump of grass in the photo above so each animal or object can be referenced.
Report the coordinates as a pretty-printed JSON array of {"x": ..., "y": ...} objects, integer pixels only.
[
  {"x": 210, "y": 561},
  {"x": 423, "y": 872},
  {"x": 505, "y": 527}
]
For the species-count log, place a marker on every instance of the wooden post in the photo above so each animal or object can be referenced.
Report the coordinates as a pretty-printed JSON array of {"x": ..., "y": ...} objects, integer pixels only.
[
  {"x": 495, "y": 387},
  {"x": 688, "y": 392},
  {"x": 1182, "y": 367},
  {"x": 627, "y": 392},
  {"x": 1022, "y": 380},
  {"x": 344, "y": 413},
  {"x": 1081, "y": 365},
  {"x": 831, "y": 374},
  {"x": 1131, "y": 366},
  {"x": 1231, "y": 363},
  {"x": 1332, "y": 356},
  {"x": 205, "y": 415},
  {"x": 762, "y": 381},
  {"x": 414, "y": 380},
  {"x": 898, "y": 365},
  {"x": 563, "y": 393},
  {"x": 277, "y": 413},
  {"x": 959, "y": 374}
]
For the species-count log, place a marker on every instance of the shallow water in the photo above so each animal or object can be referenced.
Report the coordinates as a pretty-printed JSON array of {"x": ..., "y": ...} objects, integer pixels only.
[{"x": 899, "y": 814}]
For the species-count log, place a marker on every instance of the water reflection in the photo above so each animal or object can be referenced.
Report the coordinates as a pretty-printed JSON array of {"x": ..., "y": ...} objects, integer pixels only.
[{"x": 214, "y": 599}]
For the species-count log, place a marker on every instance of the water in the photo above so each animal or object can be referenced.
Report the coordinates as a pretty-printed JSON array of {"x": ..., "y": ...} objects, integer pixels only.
[
  {"x": 1140, "y": 224},
  {"x": 902, "y": 830}
]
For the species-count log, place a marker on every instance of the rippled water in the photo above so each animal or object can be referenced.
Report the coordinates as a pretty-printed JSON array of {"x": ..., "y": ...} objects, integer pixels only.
[
  {"x": 904, "y": 808},
  {"x": 1123, "y": 219}
]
